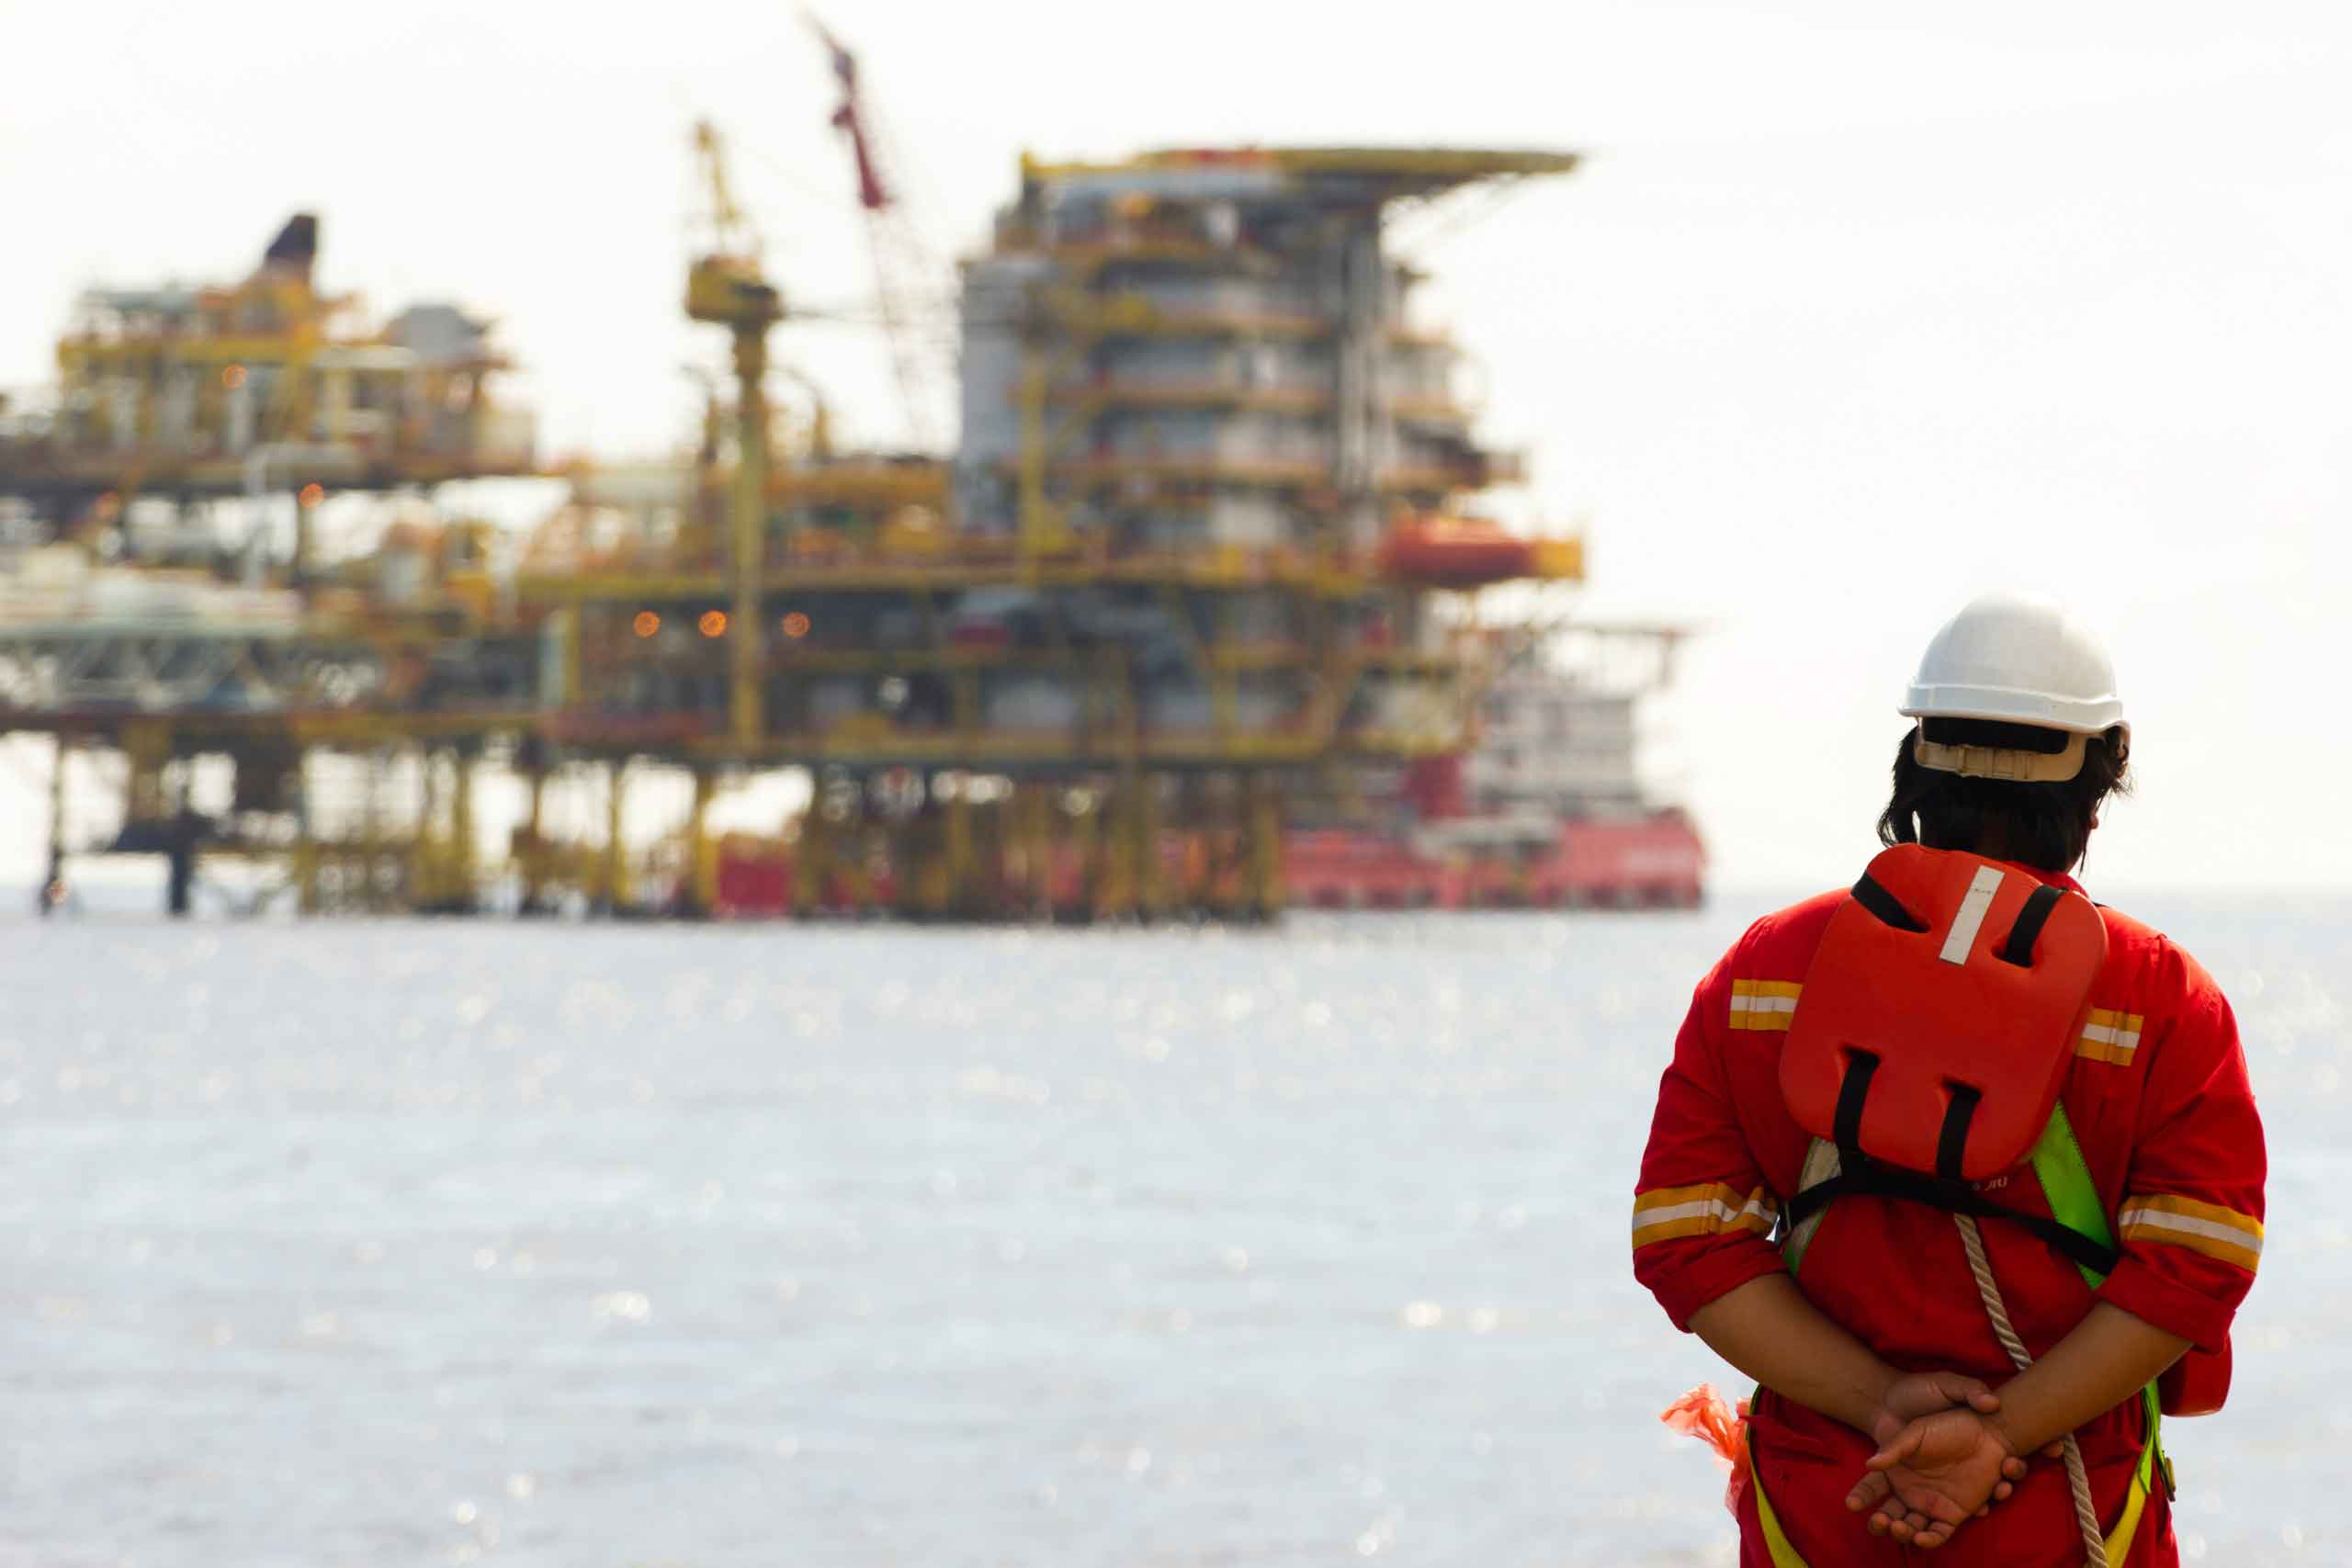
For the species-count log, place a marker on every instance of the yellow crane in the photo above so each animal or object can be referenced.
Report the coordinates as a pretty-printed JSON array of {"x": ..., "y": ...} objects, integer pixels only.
[{"x": 725, "y": 286}]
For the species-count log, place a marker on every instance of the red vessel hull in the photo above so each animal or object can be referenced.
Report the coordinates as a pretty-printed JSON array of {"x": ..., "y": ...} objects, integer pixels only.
[{"x": 1656, "y": 862}]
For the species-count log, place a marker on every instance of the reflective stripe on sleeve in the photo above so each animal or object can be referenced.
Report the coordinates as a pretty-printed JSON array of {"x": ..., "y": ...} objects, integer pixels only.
[
  {"x": 2110, "y": 1036},
  {"x": 2201, "y": 1227},
  {"x": 1764, "y": 1004},
  {"x": 1664, "y": 1214}
]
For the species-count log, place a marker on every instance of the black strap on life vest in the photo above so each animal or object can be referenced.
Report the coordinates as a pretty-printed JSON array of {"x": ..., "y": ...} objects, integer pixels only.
[
  {"x": 1953, "y": 1141},
  {"x": 1871, "y": 895},
  {"x": 2018, "y": 949},
  {"x": 1862, "y": 1176}
]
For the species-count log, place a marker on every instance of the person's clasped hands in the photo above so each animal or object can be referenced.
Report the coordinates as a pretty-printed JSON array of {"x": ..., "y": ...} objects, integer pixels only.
[{"x": 1941, "y": 1460}]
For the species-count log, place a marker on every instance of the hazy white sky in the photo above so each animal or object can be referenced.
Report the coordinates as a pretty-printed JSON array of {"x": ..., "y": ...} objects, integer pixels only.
[{"x": 1849, "y": 317}]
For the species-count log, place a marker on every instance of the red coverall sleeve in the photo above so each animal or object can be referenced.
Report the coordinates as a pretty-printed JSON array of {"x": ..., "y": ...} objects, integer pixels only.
[
  {"x": 1702, "y": 1208},
  {"x": 2190, "y": 1226}
]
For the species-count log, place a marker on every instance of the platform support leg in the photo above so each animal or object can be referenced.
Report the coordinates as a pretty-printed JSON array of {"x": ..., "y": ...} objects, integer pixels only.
[
  {"x": 702, "y": 852},
  {"x": 615, "y": 844},
  {"x": 1263, "y": 860},
  {"x": 462, "y": 891}
]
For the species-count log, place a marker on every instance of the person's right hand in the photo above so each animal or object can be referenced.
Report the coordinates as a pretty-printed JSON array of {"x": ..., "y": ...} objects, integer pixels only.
[
  {"x": 1910, "y": 1397},
  {"x": 1943, "y": 1468}
]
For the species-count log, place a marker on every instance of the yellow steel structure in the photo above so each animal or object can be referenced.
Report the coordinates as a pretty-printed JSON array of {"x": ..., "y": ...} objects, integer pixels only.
[
  {"x": 725, "y": 287},
  {"x": 267, "y": 384}
]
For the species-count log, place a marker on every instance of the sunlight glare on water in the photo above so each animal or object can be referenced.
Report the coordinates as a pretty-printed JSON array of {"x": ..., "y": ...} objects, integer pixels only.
[{"x": 414, "y": 1242}]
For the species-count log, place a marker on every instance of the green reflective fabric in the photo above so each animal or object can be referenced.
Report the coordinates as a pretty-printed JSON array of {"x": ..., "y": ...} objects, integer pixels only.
[{"x": 2066, "y": 1183}]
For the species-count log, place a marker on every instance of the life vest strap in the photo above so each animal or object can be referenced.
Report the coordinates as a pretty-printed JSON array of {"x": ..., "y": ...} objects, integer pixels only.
[
  {"x": 1952, "y": 1142},
  {"x": 1853, "y": 1092},
  {"x": 2018, "y": 949},
  {"x": 1858, "y": 1173},
  {"x": 1861, "y": 1177},
  {"x": 1871, "y": 895}
]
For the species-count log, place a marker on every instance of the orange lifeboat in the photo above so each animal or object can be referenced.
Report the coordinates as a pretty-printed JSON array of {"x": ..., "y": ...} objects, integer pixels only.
[{"x": 1455, "y": 552}]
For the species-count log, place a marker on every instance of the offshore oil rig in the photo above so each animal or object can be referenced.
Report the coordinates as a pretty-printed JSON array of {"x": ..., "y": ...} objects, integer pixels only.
[{"x": 1184, "y": 621}]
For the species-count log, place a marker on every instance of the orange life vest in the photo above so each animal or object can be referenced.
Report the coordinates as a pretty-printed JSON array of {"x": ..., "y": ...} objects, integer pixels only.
[{"x": 1940, "y": 1013}]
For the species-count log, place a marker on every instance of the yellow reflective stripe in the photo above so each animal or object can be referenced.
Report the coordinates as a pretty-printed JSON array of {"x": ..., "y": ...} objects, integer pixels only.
[
  {"x": 1776, "y": 1539},
  {"x": 1764, "y": 1004},
  {"x": 2135, "y": 1499},
  {"x": 1663, "y": 1213},
  {"x": 2110, "y": 1036},
  {"x": 2135, "y": 1502},
  {"x": 2201, "y": 1227},
  {"x": 1789, "y": 989}
]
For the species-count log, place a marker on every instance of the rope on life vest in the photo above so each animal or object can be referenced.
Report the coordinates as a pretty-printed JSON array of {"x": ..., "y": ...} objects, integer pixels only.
[{"x": 2077, "y": 1478}]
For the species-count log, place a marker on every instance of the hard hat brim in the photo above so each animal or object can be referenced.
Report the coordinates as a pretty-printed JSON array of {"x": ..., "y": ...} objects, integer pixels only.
[{"x": 2004, "y": 704}]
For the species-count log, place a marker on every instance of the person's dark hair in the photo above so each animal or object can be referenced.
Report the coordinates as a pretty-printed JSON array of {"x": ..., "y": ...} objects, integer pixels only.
[{"x": 2043, "y": 824}]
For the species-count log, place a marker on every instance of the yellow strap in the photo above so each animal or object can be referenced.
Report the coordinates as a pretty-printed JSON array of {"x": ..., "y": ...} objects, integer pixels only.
[
  {"x": 2136, "y": 1501},
  {"x": 2119, "y": 1540},
  {"x": 1776, "y": 1539}
]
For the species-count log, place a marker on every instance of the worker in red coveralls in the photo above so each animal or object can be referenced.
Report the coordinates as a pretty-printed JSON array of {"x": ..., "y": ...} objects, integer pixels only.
[{"x": 1845, "y": 1195}]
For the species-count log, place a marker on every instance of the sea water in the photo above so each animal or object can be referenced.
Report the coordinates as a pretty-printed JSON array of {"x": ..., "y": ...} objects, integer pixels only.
[{"x": 419, "y": 1243}]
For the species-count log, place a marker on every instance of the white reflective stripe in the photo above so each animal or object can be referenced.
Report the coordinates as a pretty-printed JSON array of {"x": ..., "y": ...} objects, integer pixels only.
[
  {"x": 2164, "y": 1220},
  {"x": 1970, "y": 919},
  {"x": 1763, "y": 1004},
  {"x": 2126, "y": 1038}
]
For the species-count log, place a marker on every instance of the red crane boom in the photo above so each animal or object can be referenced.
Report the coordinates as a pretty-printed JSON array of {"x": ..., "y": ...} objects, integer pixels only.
[{"x": 902, "y": 276}]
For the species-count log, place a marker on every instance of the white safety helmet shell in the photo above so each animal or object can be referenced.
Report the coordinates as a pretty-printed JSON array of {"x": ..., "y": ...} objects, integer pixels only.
[{"x": 2017, "y": 661}]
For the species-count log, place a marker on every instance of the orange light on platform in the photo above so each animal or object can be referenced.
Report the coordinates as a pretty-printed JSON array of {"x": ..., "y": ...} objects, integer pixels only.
[
  {"x": 232, "y": 377},
  {"x": 713, "y": 623},
  {"x": 796, "y": 625},
  {"x": 312, "y": 494},
  {"x": 646, "y": 623}
]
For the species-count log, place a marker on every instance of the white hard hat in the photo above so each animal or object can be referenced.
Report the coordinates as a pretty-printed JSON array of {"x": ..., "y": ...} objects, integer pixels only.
[{"x": 2015, "y": 661}]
